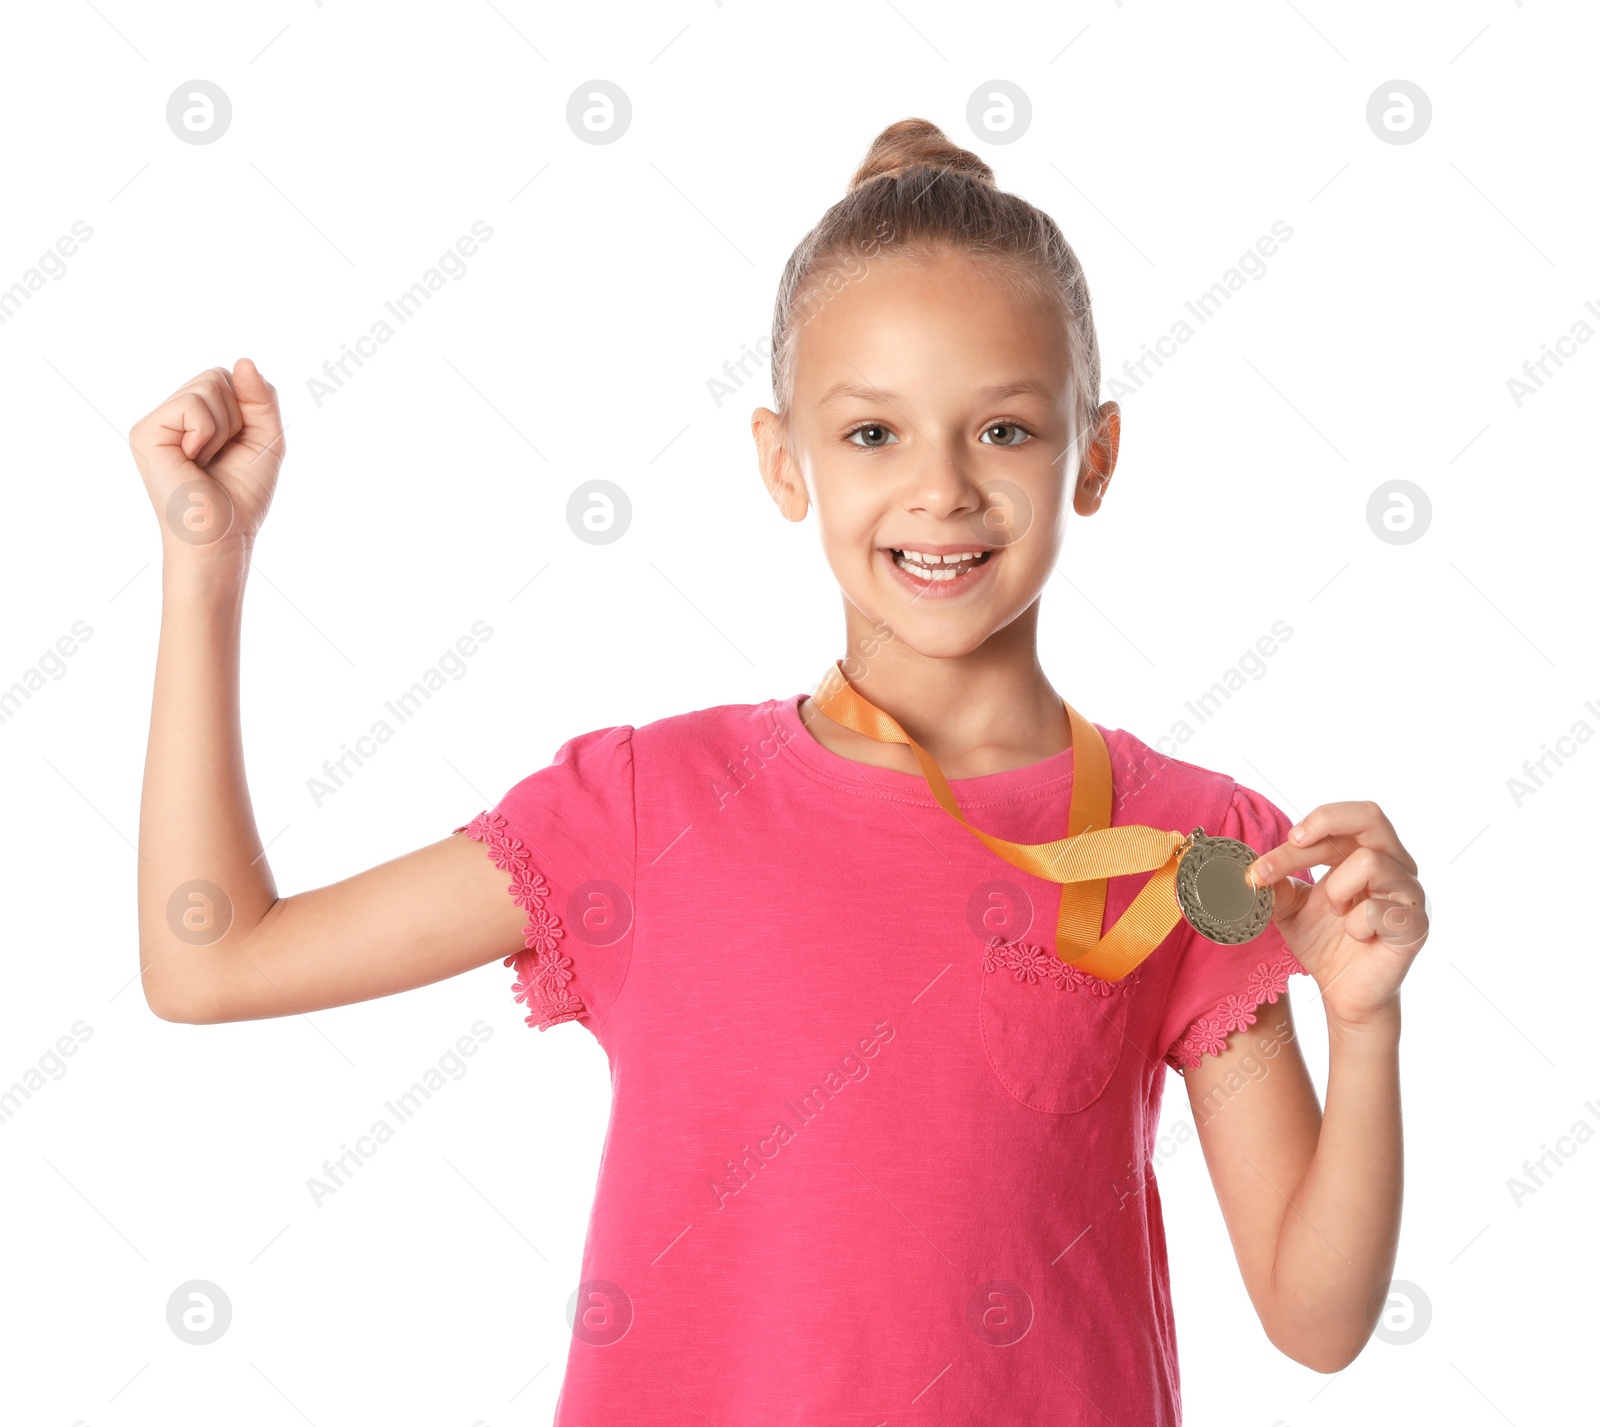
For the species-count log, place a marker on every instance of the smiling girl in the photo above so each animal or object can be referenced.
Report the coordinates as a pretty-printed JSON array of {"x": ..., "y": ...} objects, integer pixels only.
[{"x": 884, "y": 1102}]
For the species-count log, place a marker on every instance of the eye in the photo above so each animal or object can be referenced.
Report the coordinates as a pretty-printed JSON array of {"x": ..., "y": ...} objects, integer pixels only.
[
  {"x": 876, "y": 435},
  {"x": 1010, "y": 433}
]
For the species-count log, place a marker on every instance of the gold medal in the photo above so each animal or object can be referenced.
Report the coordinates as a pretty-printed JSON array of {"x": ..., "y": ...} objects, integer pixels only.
[{"x": 1215, "y": 895}]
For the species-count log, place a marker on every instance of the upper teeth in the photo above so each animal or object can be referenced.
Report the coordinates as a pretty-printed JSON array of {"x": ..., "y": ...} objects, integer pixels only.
[{"x": 927, "y": 566}]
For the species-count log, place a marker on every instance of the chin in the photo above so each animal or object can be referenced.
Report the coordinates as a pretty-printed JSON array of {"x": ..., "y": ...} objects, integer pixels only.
[
  {"x": 943, "y": 637},
  {"x": 954, "y": 651}
]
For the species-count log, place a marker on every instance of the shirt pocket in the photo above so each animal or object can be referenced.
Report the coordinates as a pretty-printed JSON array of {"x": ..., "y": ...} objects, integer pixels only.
[{"x": 1053, "y": 1035}]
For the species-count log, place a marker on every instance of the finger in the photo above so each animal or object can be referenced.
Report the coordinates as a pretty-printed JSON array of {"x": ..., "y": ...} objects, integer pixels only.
[
  {"x": 194, "y": 383},
  {"x": 1363, "y": 870},
  {"x": 218, "y": 397},
  {"x": 178, "y": 391},
  {"x": 204, "y": 420},
  {"x": 1395, "y": 914},
  {"x": 177, "y": 429},
  {"x": 258, "y": 405},
  {"x": 1363, "y": 821},
  {"x": 163, "y": 425},
  {"x": 222, "y": 384},
  {"x": 1278, "y": 862},
  {"x": 1326, "y": 835}
]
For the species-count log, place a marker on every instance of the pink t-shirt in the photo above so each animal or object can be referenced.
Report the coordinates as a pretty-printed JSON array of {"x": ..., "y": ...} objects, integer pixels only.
[{"x": 875, "y": 1155}]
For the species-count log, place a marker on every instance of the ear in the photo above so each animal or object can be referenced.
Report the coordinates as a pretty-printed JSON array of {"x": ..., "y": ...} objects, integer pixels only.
[
  {"x": 1099, "y": 460},
  {"x": 778, "y": 471}
]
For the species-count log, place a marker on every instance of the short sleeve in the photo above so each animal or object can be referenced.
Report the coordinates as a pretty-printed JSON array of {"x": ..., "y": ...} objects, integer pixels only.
[
  {"x": 1217, "y": 989},
  {"x": 565, "y": 838}
]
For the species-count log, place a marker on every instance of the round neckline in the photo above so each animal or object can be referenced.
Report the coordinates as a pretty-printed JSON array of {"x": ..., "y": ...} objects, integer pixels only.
[{"x": 1047, "y": 775}]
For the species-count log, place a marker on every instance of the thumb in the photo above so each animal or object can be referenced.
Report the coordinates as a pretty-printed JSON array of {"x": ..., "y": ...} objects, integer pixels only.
[
  {"x": 1289, "y": 895},
  {"x": 258, "y": 405}
]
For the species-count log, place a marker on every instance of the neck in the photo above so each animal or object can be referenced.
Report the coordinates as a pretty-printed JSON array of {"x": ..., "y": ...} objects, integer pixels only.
[{"x": 983, "y": 712}]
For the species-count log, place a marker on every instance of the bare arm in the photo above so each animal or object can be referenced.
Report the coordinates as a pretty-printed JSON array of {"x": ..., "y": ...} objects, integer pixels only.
[
  {"x": 216, "y": 941},
  {"x": 1311, "y": 1197}
]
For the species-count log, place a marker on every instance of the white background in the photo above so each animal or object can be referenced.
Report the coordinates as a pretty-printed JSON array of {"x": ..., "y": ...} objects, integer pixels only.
[{"x": 430, "y": 490}]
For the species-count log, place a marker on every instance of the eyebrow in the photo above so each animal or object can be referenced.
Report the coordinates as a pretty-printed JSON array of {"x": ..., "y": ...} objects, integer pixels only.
[{"x": 1026, "y": 387}]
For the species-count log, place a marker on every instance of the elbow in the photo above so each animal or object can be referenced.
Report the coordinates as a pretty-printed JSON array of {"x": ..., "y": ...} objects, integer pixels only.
[
  {"x": 1318, "y": 1329},
  {"x": 177, "y": 1004},
  {"x": 177, "y": 1015},
  {"x": 180, "y": 1013},
  {"x": 1328, "y": 1355},
  {"x": 1324, "y": 1362}
]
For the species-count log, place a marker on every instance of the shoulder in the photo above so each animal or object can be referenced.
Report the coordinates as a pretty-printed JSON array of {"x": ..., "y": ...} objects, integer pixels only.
[
  {"x": 679, "y": 748},
  {"x": 1135, "y": 764},
  {"x": 1155, "y": 787},
  {"x": 690, "y": 763},
  {"x": 722, "y": 728}
]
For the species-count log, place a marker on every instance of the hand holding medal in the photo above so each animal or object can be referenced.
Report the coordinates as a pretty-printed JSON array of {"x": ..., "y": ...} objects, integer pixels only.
[{"x": 1359, "y": 928}]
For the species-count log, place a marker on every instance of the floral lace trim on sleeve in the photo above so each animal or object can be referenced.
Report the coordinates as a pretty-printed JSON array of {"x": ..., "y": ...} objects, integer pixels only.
[
  {"x": 1208, "y": 1034},
  {"x": 542, "y": 971}
]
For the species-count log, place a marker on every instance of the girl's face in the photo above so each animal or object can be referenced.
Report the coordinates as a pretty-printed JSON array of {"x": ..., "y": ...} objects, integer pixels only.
[{"x": 930, "y": 429}]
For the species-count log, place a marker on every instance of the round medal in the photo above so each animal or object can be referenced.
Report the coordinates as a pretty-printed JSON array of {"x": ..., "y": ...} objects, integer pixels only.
[{"x": 1214, "y": 894}]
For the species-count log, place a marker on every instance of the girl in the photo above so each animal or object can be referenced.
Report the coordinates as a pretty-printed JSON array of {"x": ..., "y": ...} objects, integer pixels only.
[{"x": 879, "y": 1151}]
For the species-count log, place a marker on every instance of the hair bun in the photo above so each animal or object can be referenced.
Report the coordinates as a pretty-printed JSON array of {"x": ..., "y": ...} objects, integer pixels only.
[{"x": 915, "y": 143}]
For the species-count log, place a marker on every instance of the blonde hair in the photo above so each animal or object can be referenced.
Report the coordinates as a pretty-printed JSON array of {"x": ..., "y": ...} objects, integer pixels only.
[{"x": 916, "y": 194}]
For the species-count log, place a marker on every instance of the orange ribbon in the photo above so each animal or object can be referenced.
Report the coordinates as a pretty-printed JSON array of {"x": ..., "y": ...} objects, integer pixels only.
[{"x": 1081, "y": 861}]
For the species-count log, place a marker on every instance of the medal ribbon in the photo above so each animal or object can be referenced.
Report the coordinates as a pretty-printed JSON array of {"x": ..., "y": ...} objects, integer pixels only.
[{"x": 1081, "y": 861}]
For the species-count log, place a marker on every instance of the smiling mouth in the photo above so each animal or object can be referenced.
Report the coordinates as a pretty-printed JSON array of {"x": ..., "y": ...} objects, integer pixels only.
[{"x": 934, "y": 569}]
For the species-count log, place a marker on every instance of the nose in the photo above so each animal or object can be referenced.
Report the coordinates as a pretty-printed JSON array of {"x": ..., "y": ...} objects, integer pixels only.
[{"x": 941, "y": 482}]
